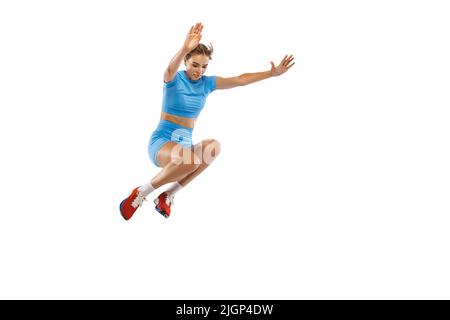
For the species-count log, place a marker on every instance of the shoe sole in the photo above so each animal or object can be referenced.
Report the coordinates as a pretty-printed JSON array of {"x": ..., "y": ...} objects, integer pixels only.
[{"x": 121, "y": 211}]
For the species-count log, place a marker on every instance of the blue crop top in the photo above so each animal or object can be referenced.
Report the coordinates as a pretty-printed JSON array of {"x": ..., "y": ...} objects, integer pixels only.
[{"x": 185, "y": 97}]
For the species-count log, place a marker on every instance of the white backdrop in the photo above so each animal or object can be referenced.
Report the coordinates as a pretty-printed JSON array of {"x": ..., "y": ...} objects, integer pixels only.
[{"x": 333, "y": 181}]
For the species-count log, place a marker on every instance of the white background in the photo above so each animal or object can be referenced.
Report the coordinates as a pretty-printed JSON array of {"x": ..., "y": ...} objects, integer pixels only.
[{"x": 333, "y": 181}]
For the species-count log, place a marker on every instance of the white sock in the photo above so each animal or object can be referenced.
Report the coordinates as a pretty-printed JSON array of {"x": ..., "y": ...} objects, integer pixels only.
[
  {"x": 146, "y": 189},
  {"x": 174, "y": 188}
]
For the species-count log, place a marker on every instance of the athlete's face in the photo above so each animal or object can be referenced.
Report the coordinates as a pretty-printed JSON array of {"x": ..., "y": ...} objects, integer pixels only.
[{"x": 196, "y": 66}]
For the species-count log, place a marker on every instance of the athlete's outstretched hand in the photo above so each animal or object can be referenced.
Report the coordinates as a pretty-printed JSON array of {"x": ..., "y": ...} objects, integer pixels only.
[
  {"x": 284, "y": 65},
  {"x": 193, "y": 37}
]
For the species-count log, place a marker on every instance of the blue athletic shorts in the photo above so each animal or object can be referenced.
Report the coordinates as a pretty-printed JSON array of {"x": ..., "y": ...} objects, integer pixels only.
[{"x": 165, "y": 132}]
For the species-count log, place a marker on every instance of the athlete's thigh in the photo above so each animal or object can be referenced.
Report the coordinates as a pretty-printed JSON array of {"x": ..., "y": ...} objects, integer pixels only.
[{"x": 173, "y": 152}]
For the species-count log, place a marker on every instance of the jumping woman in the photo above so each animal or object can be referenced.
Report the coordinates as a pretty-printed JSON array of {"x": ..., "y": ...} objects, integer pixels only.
[{"x": 184, "y": 96}]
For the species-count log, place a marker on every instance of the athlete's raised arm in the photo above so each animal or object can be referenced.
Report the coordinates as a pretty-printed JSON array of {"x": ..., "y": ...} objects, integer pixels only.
[{"x": 191, "y": 42}]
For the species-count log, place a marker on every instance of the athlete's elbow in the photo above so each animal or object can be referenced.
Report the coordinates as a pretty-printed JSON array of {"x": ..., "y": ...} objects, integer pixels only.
[{"x": 241, "y": 81}]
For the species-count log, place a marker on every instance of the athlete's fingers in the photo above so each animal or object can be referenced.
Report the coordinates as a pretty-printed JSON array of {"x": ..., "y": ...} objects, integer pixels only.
[
  {"x": 289, "y": 60},
  {"x": 198, "y": 27},
  {"x": 290, "y": 66}
]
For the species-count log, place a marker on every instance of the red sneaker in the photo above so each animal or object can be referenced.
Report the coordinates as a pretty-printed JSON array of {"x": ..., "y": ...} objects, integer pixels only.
[
  {"x": 163, "y": 203},
  {"x": 129, "y": 206}
]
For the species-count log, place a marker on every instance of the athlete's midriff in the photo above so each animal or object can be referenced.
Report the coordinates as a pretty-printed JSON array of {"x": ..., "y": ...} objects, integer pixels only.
[{"x": 182, "y": 121}]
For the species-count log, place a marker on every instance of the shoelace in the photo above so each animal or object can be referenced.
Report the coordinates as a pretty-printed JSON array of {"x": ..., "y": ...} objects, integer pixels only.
[
  {"x": 138, "y": 201},
  {"x": 169, "y": 199}
]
